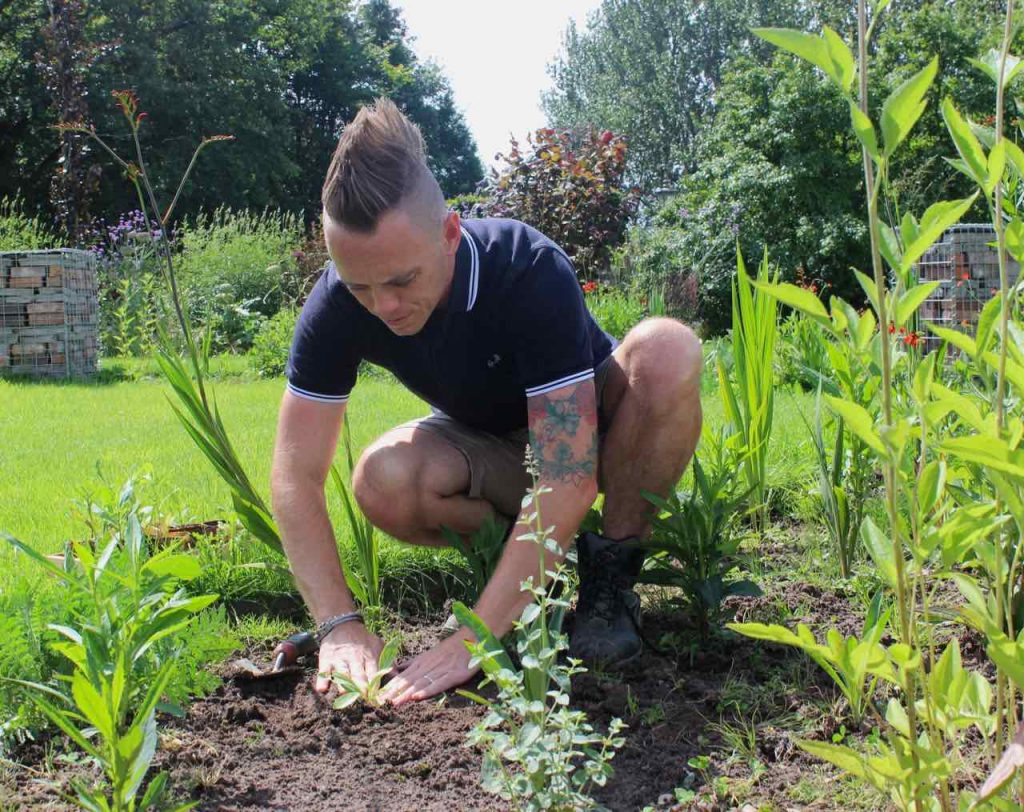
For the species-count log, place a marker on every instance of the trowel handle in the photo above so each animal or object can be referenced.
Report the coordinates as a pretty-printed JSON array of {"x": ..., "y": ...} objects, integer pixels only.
[{"x": 288, "y": 651}]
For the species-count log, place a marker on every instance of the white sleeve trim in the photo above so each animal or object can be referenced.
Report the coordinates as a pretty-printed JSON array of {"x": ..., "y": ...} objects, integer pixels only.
[
  {"x": 320, "y": 398},
  {"x": 544, "y": 388}
]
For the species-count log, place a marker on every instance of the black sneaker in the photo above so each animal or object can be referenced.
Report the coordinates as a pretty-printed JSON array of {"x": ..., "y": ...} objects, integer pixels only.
[{"x": 607, "y": 629}]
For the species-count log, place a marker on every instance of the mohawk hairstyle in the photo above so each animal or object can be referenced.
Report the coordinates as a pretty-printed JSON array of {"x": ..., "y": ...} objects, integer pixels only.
[{"x": 380, "y": 162}]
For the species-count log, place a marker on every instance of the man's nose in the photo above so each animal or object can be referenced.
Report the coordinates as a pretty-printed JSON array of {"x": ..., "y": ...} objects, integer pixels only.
[{"x": 385, "y": 303}]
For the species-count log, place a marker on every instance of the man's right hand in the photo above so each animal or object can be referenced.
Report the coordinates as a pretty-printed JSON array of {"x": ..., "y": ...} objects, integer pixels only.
[{"x": 349, "y": 649}]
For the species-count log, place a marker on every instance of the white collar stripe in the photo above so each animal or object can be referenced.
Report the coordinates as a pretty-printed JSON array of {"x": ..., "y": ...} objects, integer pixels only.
[
  {"x": 474, "y": 270},
  {"x": 544, "y": 388},
  {"x": 317, "y": 396}
]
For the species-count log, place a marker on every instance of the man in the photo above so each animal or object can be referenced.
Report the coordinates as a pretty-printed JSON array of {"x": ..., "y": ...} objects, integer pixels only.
[{"x": 485, "y": 320}]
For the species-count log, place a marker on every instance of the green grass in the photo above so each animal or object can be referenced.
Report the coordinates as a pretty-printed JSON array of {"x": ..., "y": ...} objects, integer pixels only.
[{"x": 57, "y": 434}]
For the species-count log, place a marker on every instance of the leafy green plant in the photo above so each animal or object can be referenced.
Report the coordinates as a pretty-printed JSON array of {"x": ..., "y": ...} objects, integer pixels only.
[
  {"x": 187, "y": 377},
  {"x": 750, "y": 402},
  {"x": 240, "y": 256},
  {"x": 482, "y": 551},
  {"x": 20, "y": 231},
  {"x": 692, "y": 543},
  {"x": 845, "y": 480},
  {"x": 854, "y": 664},
  {"x": 129, "y": 605},
  {"x": 615, "y": 310},
  {"x": 349, "y": 692},
  {"x": 269, "y": 354},
  {"x": 363, "y": 580},
  {"x": 951, "y": 460},
  {"x": 538, "y": 752}
]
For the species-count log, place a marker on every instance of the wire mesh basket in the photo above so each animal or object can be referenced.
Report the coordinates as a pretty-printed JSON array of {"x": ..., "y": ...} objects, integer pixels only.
[
  {"x": 49, "y": 309},
  {"x": 965, "y": 263}
]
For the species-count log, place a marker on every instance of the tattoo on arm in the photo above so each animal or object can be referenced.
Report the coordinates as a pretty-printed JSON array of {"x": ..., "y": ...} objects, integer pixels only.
[{"x": 563, "y": 433}]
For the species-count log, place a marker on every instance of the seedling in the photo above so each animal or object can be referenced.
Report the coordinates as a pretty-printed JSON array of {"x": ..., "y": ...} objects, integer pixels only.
[{"x": 349, "y": 692}]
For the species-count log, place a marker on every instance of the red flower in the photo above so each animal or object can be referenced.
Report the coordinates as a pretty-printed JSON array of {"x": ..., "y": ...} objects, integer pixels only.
[
  {"x": 589, "y": 287},
  {"x": 892, "y": 329},
  {"x": 912, "y": 339}
]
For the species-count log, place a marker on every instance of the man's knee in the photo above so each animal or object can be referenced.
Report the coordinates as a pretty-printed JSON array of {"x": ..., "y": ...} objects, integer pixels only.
[
  {"x": 664, "y": 357},
  {"x": 385, "y": 484}
]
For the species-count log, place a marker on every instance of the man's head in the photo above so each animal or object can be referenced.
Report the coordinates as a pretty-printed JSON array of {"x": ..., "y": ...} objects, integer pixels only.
[{"x": 386, "y": 225}]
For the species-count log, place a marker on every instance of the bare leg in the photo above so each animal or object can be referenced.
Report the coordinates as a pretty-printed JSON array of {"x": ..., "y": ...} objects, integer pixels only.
[
  {"x": 411, "y": 482},
  {"x": 652, "y": 396}
]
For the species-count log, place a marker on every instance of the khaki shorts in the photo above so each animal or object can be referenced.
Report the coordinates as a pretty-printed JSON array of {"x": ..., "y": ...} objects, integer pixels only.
[{"x": 496, "y": 463}]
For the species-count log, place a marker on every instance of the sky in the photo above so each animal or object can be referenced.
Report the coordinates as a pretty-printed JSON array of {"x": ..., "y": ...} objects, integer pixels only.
[{"x": 495, "y": 55}]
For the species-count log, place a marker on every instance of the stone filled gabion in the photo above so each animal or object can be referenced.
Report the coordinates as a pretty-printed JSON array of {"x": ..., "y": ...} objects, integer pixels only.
[{"x": 49, "y": 313}]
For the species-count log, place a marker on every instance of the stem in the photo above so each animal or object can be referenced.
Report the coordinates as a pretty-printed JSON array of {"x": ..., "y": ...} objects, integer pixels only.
[
  {"x": 1005, "y": 692},
  {"x": 889, "y": 468},
  {"x": 165, "y": 249}
]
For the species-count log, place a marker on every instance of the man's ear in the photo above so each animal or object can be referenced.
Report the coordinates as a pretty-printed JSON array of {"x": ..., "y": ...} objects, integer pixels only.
[{"x": 452, "y": 232}]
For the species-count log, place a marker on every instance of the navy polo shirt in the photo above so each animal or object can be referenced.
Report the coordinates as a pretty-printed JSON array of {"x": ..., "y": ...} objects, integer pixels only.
[{"x": 515, "y": 325}]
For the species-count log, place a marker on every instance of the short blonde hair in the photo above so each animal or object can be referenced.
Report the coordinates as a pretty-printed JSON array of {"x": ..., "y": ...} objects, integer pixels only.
[{"x": 380, "y": 164}]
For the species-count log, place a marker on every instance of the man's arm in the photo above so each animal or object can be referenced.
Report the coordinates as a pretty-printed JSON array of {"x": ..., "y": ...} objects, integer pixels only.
[
  {"x": 563, "y": 435},
  {"x": 307, "y": 435}
]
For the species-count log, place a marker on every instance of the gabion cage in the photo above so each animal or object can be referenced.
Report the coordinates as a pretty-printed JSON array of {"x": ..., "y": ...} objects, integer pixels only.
[
  {"x": 965, "y": 262},
  {"x": 49, "y": 308}
]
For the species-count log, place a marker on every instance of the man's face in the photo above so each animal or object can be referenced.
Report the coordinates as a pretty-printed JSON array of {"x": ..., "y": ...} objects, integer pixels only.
[{"x": 401, "y": 271}]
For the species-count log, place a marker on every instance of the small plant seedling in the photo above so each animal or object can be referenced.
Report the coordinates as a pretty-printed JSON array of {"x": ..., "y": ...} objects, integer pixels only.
[{"x": 349, "y": 692}]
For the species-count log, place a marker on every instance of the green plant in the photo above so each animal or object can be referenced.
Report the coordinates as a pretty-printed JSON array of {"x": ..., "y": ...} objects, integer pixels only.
[
  {"x": 844, "y": 484},
  {"x": 750, "y": 402},
  {"x": 364, "y": 580},
  {"x": 20, "y": 231},
  {"x": 200, "y": 418},
  {"x": 570, "y": 187},
  {"x": 538, "y": 752},
  {"x": 482, "y": 551},
  {"x": 129, "y": 607},
  {"x": 855, "y": 664},
  {"x": 615, "y": 310},
  {"x": 269, "y": 354},
  {"x": 950, "y": 460},
  {"x": 240, "y": 256},
  {"x": 349, "y": 692},
  {"x": 692, "y": 543}
]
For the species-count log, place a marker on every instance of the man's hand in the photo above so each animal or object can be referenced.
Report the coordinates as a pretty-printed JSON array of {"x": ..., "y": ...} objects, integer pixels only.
[
  {"x": 349, "y": 649},
  {"x": 444, "y": 666}
]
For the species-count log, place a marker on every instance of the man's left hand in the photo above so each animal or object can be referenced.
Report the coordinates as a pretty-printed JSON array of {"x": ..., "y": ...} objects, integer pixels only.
[{"x": 444, "y": 666}]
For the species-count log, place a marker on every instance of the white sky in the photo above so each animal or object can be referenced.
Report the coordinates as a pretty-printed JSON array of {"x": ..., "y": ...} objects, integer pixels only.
[{"x": 495, "y": 54}]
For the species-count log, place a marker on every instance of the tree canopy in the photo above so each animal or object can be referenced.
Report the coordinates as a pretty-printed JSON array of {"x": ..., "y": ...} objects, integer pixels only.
[{"x": 281, "y": 76}]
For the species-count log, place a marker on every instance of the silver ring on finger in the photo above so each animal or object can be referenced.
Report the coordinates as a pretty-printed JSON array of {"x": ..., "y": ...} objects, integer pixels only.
[{"x": 429, "y": 679}]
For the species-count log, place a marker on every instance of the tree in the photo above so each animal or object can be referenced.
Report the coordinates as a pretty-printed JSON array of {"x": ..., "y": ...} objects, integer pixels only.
[
  {"x": 282, "y": 76},
  {"x": 778, "y": 168},
  {"x": 650, "y": 69}
]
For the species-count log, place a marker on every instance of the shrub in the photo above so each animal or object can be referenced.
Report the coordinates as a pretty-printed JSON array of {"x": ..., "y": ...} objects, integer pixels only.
[
  {"x": 20, "y": 231},
  {"x": 132, "y": 301},
  {"x": 469, "y": 205},
  {"x": 570, "y": 187},
  {"x": 615, "y": 310},
  {"x": 653, "y": 259},
  {"x": 269, "y": 352},
  {"x": 237, "y": 267}
]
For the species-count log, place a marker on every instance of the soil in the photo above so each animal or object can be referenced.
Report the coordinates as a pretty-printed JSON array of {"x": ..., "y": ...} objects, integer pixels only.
[{"x": 277, "y": 745}]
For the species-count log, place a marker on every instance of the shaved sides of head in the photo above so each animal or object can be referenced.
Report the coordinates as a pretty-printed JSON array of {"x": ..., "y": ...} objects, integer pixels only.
[{"x": 379, "y": 165}]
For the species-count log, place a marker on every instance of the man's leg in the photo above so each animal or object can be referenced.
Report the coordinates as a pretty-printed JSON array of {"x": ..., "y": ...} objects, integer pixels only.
[
  {"x": 651, "y": 400},
  {"x": 411, "y": 482}
]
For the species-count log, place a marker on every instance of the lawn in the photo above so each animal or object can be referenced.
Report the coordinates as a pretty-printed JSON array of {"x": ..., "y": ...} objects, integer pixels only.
[{"x": 62, "y": 440}]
